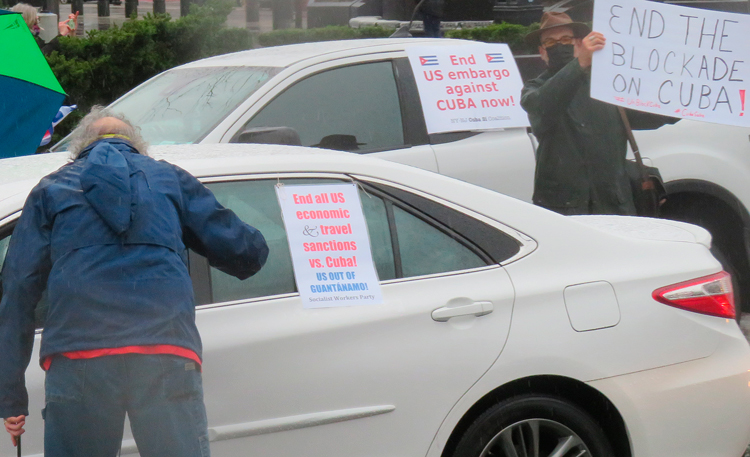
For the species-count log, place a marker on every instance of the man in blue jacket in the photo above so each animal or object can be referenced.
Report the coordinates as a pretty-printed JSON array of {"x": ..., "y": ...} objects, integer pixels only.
[{"x": 106, "y": 236}]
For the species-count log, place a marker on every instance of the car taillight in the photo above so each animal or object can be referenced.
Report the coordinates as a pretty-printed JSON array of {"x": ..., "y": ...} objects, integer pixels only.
[{"x": 712, "y": 295}]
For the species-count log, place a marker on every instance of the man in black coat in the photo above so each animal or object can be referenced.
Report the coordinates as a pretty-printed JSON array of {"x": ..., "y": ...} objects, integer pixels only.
[{"x": 582, "y": 142}]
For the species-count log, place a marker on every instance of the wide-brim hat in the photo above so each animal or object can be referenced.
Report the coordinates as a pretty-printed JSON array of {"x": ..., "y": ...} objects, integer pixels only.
[{"x": 553, "y": 20}]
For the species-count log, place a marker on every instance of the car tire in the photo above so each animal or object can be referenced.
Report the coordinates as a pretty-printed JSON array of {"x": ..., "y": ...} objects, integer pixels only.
[{"x": 534, "y": 425}]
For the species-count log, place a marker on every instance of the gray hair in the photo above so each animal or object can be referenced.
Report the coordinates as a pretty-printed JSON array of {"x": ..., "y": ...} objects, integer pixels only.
[
  {"x": 86, "y": 133},
  {"x": 28, "y": 12}
]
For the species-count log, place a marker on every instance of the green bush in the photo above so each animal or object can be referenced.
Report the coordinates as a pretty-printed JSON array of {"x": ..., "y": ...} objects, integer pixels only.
[
  {"x": 330, "y": 33},
  {"x": 498, "y": 33}
]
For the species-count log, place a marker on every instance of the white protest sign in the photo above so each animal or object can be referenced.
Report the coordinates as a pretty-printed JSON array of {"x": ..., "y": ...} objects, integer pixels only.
[
  {"x": 329, "y": 244},
  {"x": 672, "y": 60},
  {"x": 468, "y": 87}
]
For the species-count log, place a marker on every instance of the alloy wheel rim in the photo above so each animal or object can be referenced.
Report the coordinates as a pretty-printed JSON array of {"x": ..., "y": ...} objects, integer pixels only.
[{"x": 536, "y": 438}]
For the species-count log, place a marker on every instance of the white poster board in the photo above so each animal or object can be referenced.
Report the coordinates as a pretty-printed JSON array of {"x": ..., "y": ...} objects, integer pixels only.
[
  {"x": 330, "y": 245},
  {"x": 672, "y": 60},
  {"x": 469, "y": 87}
]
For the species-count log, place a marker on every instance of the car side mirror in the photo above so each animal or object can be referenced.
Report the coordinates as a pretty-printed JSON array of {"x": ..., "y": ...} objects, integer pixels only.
[{"x": 269, "y": 135}]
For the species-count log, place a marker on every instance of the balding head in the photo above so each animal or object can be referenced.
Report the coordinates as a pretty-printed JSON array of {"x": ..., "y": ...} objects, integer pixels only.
[
  {"x": 110, "y": 125},
  {"x": 100, "y": 122}
]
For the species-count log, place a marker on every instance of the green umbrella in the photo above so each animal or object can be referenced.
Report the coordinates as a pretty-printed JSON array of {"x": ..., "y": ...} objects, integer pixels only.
[{"x": 30, "y": 95}]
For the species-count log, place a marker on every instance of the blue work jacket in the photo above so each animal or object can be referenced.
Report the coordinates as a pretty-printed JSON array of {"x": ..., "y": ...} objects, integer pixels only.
[{"x": 106, "y": 236}]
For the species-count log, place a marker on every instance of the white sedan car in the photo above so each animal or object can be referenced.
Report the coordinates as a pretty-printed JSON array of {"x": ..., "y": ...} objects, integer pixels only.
[
  {"x": 505, "y": 329},
  {"x": 361, "y": 96}
]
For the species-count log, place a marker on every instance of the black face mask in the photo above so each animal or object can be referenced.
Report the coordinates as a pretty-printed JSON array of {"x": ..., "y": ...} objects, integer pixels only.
[{"x": 559, "y": 55}]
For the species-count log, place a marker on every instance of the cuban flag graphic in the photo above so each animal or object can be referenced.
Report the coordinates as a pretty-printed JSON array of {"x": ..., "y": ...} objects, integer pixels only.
[
  {"x": 61, "y": 113},
  {"x": 495, "y": 58},
  {"x": 426, "y": 61}
]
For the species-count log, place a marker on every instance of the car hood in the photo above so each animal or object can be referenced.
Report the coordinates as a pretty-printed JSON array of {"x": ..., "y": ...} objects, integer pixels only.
[{"x": 648, "y": 228}]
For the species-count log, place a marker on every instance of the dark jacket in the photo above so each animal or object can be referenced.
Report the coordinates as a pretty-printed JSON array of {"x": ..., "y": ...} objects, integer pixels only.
[
  {"x": 48, "y": 48},
  {"x": 580, "y": 165},
  {"x": 106, "y": 234}
]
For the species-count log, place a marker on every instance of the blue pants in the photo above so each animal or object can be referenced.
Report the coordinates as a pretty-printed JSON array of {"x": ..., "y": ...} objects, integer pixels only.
[{"x": 86, "y": 403}]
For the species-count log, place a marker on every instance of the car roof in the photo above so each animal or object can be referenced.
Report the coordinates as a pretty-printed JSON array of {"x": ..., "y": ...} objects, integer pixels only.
[
  {"x": 20, "y": 174},
  {"x": 284, "y": 56}
]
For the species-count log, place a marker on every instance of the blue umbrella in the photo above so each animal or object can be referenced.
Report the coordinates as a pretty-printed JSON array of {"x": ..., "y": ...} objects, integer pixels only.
[{"x": 30, "y": 95}]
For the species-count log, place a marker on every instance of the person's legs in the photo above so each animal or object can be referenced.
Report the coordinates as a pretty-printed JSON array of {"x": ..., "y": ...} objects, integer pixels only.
[
  {"x": 166, "y": 410},
  {"x": 84, "y": 413}
]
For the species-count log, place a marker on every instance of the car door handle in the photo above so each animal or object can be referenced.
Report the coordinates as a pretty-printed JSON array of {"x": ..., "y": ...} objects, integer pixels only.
[{"x": 479, "y": 308}]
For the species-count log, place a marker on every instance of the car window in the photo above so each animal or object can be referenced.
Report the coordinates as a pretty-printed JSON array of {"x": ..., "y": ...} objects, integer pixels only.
[
  {"x": 184, "y": 105},
  {"x": 495, "y": 244},
  {"x": 255, "y": 202},
  {"x": 41, "y": 308},
  {"x": 379, "y": 231},
  {"x": 3, "y": 250},
  {"x": 426, "y": 250},
  {"x": 350, "y": 108},
  {"x": 404, "y": 243}
]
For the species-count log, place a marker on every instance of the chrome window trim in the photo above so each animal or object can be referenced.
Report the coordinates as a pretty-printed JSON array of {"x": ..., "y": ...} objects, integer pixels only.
[
  {"x": 10, "y": 218},
  {"x": 525, "y": 247},
  {"x": 283, "y": 175}
]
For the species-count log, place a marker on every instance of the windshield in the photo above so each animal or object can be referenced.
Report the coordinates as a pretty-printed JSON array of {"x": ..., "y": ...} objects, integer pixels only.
[{"x": 183, "y": 105}]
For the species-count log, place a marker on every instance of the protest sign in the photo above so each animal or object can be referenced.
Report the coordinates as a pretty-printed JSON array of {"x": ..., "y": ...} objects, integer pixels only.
[
  {"x": 329, "y": 244},
  {"x": 468, "y": 87},
  {"x": 672, "y": 60}
]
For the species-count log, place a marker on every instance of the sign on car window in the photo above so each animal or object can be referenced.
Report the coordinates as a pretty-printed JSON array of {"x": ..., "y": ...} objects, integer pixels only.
[
  {"x": 468, "y": 87},
  {"x": 330, "y": 247}
]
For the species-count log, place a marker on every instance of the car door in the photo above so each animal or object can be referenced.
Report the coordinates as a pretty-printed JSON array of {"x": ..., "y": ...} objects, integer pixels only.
[
  {"x": 501, "y": 160},
  {"x": 33, "y": 438},
  {"x": 373, "y": 380},
  {"x": 354, "y": 104}
]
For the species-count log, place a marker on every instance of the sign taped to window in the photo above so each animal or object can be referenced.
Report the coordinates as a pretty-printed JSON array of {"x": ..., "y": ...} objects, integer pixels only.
[
  {"x": 468, "y": 87},
  {"x": 329, "y": 244}
]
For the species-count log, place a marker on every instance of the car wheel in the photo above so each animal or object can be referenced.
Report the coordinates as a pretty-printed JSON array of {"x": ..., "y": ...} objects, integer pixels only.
[{"x": 534, "y": 425}]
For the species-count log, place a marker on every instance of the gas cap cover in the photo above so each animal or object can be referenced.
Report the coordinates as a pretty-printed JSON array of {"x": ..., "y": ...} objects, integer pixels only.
[{"x": 592, "y": 306}]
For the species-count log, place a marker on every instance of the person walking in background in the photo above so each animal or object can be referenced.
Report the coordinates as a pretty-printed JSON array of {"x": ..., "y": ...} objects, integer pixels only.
[
  {"x": 582, "y": 142},
  {"x": 106, "y": 236},
  {"x": 432, "y": 12}
]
